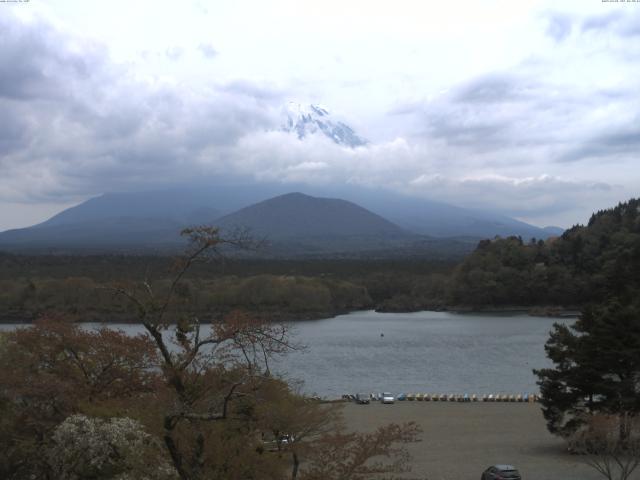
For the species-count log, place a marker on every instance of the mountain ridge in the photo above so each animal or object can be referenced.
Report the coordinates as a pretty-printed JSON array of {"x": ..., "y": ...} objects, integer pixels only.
[
  {"x": 299, "y": 215},
  {"x": 136, "y": 217}
]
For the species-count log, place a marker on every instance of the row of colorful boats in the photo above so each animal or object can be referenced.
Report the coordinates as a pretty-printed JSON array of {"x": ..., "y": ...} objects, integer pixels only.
[{"x": 428, "y": 397}]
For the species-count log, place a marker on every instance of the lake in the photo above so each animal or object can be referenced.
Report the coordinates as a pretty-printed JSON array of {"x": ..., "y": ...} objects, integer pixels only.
[{"x": 428, "y": 352}]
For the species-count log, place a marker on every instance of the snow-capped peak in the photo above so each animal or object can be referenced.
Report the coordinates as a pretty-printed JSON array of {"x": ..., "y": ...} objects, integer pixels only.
[{"x": 306, "y": 120}]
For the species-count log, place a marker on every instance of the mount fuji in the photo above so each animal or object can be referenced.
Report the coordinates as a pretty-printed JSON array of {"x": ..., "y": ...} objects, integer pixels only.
[{"x": 304, "y": 120}]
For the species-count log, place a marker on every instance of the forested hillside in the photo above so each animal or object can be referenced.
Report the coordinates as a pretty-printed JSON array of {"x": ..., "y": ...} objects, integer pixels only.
[
  {"x": 31, "y": 285},
  {"x": 270, "y": 296},
  {"x": 587, "y": 263}
]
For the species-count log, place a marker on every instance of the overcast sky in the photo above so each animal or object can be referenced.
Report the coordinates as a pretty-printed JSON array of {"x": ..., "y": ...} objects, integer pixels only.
[{"x": 528, "y": 107}]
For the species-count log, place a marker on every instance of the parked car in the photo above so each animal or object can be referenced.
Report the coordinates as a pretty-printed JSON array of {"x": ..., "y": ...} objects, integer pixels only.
[
  {"x": 362, "y": 398},
  {"x": 286, "y": 439},
  {"x": 401, "y": 397},
  {"x": 386, "y": 397},
  {"x": 279, "y": 443},
  {"x": 501, "y": 472}
]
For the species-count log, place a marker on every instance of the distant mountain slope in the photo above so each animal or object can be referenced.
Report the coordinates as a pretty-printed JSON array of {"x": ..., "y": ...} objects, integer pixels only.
[
  {"x": 118, "y": 221},
  {"x": 185, "y": 206},
  {"x": 296, "y": 215},
  {"x": 101, "y": 234},
  {"x": 438, "y": 219},
  {"x": 203, "y": 205},
  {"x": 554, "y": 231},
  {"x": 155, "y": 217}
]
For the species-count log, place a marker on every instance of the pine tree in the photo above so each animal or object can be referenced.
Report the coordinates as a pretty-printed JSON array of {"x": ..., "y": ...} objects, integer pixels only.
[{"x": 597, "y": 368}]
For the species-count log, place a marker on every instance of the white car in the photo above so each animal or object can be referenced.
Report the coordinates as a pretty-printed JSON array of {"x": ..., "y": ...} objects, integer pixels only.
[{"x": 386, "y": 397}]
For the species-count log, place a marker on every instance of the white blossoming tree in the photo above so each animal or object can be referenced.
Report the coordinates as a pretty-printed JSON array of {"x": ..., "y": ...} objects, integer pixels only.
[{"x": 117, "y": 448}]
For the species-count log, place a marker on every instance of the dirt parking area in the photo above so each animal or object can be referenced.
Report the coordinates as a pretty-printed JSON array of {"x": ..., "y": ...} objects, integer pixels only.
[{"x": 460, "y": 440}]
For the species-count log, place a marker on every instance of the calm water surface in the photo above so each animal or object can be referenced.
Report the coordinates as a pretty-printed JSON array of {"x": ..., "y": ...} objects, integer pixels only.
[{"x": 429, "y": 352}]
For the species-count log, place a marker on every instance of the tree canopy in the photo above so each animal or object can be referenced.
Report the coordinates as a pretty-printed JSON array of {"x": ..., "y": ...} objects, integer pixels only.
[
  {"x": 586, "y": 264},
  {"x": 194, "y": 401},
  {"x": 596, "y": 368}
]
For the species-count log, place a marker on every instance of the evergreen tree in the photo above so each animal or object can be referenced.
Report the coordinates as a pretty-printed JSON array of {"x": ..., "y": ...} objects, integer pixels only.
[{"x": 597, "y": 368}]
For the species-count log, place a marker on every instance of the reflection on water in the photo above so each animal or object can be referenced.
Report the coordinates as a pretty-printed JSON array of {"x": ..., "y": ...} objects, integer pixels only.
[{"x": 428, "y": 352}]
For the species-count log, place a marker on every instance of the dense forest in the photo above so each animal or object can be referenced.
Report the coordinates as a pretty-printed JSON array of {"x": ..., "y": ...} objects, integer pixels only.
[
  {"x": 83, "y": 286},
  {"x": 585, "y": 264}
]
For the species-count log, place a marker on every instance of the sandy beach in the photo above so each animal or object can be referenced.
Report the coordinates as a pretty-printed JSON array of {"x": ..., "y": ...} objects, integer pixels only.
[{"x": 460, "y": 440}]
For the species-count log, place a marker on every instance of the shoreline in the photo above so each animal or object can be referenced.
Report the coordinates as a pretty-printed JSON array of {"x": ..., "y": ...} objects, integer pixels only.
[
  {"x": 531, "y": 310},
  {"x": 534, "y": 311},
  {"x": 127, "y": 320}
]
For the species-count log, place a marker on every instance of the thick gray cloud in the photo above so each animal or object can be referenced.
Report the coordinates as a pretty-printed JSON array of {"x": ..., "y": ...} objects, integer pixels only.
[
  {"x": 532, "y": 141},
  {"x": 490, "y": 113},
  {"x": 517, "y": 116},
  {"x": 33, "y": 68},
  {"x": 602, "y": 21},
  {"x": 174, "y": 53},
  {"x": 559, "y": 26},
  {"x": 76, "y": 124},
  {"x": 535, "y": 196},
  {"x": 617, "y": 22},
  {"x": 496, "y": 88},
  {"x": 255, "y": 90},
  {"x": 610, "y": 145},
  {"x": 207, "y": 50}
]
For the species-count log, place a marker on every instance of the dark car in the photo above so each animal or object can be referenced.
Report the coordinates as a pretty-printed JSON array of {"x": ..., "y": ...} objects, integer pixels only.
[
  {"x": 501, "y": 472},
  {"x": 362, "y": 398}
]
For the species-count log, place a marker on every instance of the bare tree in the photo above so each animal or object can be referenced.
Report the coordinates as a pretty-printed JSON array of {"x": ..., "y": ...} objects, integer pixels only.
[
  {"x": 222, "y": 398},
  {"x": 205, "y": 392},
  {"x": 604, "y": 450},
  {"x": 360, "y": 456},
  {"x": 204, "y": 371}
]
